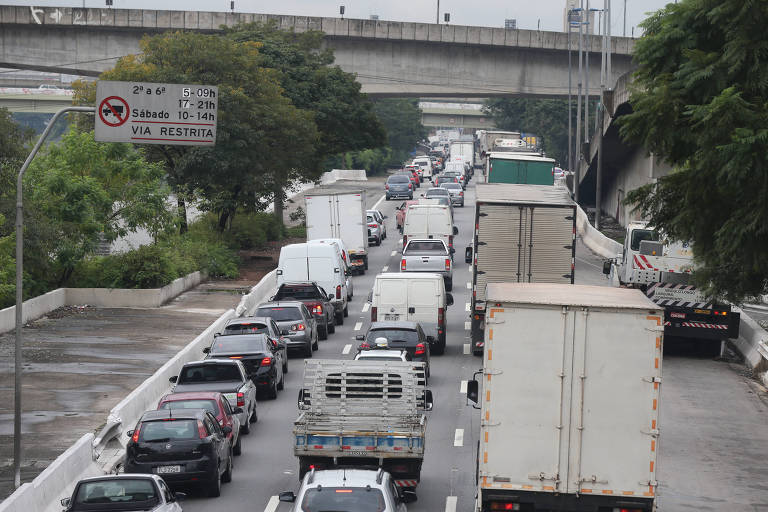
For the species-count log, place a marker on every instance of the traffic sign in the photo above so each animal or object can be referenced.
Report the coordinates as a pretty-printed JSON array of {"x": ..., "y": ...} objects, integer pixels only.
[{"x": 151, "y": 113}]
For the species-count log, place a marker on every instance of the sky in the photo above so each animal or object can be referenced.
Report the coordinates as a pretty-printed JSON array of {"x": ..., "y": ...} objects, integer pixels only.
[{"x": 489, "y": 13}]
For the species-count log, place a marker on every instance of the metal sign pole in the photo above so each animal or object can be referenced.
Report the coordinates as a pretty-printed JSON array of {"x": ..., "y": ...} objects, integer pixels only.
[{"x": 20, "y": 292}]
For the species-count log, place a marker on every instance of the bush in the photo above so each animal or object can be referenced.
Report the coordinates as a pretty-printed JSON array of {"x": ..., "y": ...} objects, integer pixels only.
[
  {"x": 296, "y": 232},
  {"x": 254, "y": 230}
]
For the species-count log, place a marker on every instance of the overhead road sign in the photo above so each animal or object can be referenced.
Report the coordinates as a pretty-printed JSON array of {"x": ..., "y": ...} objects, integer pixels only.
[{"x": 151, "y": 113}]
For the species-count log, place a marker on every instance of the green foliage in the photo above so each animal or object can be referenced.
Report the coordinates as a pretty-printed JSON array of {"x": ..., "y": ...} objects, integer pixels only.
[
  {"x": 548, "y": 119},
  {"x": 700, "y": 101},
  {"x": 254, "y": 230},
  {"x": 7, "y": 271},
  {"x": 402, "y": 120},
  {"x": 296, "y": 232}
]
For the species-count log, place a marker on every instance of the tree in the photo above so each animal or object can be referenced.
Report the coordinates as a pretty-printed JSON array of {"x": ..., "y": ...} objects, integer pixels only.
[
  {"x": 402, "y": 120},
  {"x": 261, "y": 136},
  {"x": 700, "y": 101},
  {"x": 547, "y": 119}
]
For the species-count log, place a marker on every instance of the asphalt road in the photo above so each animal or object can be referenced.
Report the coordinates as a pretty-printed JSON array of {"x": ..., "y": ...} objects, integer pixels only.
[{"x": 713, "y": 444}]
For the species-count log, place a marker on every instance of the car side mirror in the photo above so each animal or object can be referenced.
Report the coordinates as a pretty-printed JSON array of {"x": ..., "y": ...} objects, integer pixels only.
[
  {"x": 360, "y": 337},
  {"x": 468, "y": 254},
  {"x": 428, "y": 402},
  {"x": 216, "y": 335},
  {"x": 287, "y": 496},
  {"x": 173, "y": 379},
  {"x": 473, "y": 390},
  {"x": 407, "y": 496},
  {"x": 207, "y": 350},
  {"x": 65, "y": 502},
  {"x": 237, "y": 410},
  {"x": 227, "y": 430},
  {"x": 448, "y": 299},
  {"x": 272, "y": 298},
  {"x": 179, "y": 496},
  {"x": 129, "y": 433},
  {"x": 607, "y": 267},
  {"x": 453, "y": 251},
  {"x": 347, "y": 273},
  {"x": 279, "y": 272},
  {"x": 455, "y": 230}
]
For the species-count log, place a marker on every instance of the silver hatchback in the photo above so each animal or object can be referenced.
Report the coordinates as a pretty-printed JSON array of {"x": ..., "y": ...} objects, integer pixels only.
[{"x": 456, "y": 191}]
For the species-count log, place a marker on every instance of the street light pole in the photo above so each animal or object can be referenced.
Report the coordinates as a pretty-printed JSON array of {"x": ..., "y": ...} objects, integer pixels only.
[
  {"x": 437, "y": 15},
  {"x": 579, "y": 145},
  {"x": 570, "y": 101},
  {"x": 20, "y": 291},
  {"x": 588, "y": 43}
]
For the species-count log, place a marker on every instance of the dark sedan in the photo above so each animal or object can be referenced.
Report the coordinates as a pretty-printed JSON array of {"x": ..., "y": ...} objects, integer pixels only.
[
  {"x": 407, "y": 336},
  {"x": 182, "y": 446},
  {"x": 258, "y": 325},
  {"x": 263, "y": 360}
]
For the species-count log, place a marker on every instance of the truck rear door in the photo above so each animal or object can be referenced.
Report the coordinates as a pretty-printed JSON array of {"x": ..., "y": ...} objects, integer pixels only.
[
  {"x": 550, "y": 253},
  {"x": 392, "y": 300},
  {"x": 351, "y": 221},
  {"x": 500, "y": 238},
  {"x": 422, "y": 300}
]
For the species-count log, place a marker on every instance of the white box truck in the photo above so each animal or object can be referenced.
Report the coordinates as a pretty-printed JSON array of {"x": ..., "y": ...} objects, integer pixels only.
[
  {"x": 523, "y": 233},
  {"x": 569, "y": 400},
  {"x": 338, "y": 213},
  {"x": 463, "y": 148}
]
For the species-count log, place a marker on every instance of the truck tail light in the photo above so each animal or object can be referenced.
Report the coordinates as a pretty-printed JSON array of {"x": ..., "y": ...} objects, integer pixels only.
[
  {"x": 495, "y": 505},
  {"x": 241, "y": 399},
  {"x": 201, "y": 432},
  {"x": 267, "y": 361},
  {"x": 402, "y": 264},
  {"x": 317, "y": 309},
  {"x": 135, "y": 437},
  {"x": 420, "y": 349},
  {"x": 338, "y": 291},
  {"x": 440, "y": 316},
  {"x": 374, "y": 314},
  {"x": 447, "y": 263}
]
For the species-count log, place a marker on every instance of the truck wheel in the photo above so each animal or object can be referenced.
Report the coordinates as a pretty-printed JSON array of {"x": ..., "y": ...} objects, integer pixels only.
[
  {"x": 365, "y": 264},
  {"x": 346, "y": 310},
  {"x": 449, "y": 284},
  {"x": 331, "y": 326},
  {"x": 322, "y": 331}
]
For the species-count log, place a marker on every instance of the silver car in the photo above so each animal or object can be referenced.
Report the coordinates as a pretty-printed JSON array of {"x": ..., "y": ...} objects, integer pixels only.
[
  {"x": 374, "y": 229},
  {"x": 380, "y": 220},
  {"x": 124, "y": 492},
  {"x": 296, "y": 323},
  {"x": 456, "y": 191},
  {"x": 349, "y": 489}
]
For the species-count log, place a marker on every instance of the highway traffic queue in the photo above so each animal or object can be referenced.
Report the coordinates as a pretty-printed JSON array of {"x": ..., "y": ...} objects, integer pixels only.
[{"x": 570, "y": 376}]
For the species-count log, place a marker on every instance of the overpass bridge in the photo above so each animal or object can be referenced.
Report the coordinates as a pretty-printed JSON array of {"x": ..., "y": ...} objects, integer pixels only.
[
  {"x": 454, "y": 114},
  {"x": 22, "y": 99},
  {"x": 390, "y": 58}
]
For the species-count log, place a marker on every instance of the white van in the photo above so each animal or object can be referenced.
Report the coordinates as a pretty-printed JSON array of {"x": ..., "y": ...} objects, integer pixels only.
[
  {"x": 429, "y": 221},
  {"x": 321, "y": 263},
  {"x": 414, "y": 297},
  {"x": 426, "y": 166},
  {"x": 344, "y": 255}
]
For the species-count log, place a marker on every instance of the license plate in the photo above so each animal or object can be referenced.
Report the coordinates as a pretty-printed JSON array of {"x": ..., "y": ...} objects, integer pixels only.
[
  {"x": 164, "y": 470},
  {"x": 391, "y": 317},
  {"x": 357, "y": 263}
]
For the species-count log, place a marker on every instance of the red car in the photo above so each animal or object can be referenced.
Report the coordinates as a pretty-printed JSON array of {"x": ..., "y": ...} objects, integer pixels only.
[
  {"x": 211, "y": 401},
  {"x": 401, "y": 211},
  {"x": 415, "y": 169},
  {"x": 415, "y": 179}
]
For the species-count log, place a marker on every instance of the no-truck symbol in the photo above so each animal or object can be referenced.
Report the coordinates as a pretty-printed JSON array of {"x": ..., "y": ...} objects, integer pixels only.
[{"x": 114, "y": 111}]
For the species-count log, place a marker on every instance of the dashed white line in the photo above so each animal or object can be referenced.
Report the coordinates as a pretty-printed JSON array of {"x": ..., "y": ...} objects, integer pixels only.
[
  {"x": 467, "y": 348},
  {"x": 393, "y": 253},
  {"x": 348, "y": 347},
  {"x": 376, "y": 206},
  {"x": 450, "y": 503},
  {"x": 274, "y": 502},
  {"x": 467, "y": 326},
  {"x": 385, "y": 269},
  {"x": 467, "y": 306},
  {"x": 358, "y": 325},
  {"x": 469, "y": 286},
  {"x": 458, "y": 438},
  {"x": 470, "y": 269},
  {"x": 463, "y": 387},
  {"x": 366, "y": 306}
]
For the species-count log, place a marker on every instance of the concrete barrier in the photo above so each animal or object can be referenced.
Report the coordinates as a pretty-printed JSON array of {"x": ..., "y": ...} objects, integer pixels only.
[
  {"x": 343, "y": 174},
  {"x": 40, "y": 306},
  {"x": 594, "y": 239},
  {"x": 753, "y": 345},
  {"x": 261, "y": 292}
]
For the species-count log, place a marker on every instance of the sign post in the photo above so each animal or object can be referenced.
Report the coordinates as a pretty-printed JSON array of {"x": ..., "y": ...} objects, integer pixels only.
[{"x": 150, "y": 113}]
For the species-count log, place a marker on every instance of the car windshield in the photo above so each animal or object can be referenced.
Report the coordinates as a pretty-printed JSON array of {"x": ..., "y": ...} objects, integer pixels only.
[
  {"x": 393, "y": 335},
  {"x": 281, "y": 314},
  {"x": 299, "y": 292},
  {"x": 246, "y": 328},
  {"x": 210, "y": 373},
  {"x": 343, "y": 499},
  {"x": 400, "y": 178},
  {"x": 168, "y": 430},
  {"x": 231, "y": 344},
  {"x": 117, "y": 492},
  {"x": 208, "y": 405}
]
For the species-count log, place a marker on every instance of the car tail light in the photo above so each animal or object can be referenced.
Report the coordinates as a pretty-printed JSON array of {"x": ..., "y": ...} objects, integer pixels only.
[
  {"x": 450, "y": 240},
  {"x": 386, "y": 186},
  {"x": 461, "y": 193},
  {"x": 344, "y": 255},
  {"x": 410, "y": 186},
  {"x": 440, "y": 316},
  {"x": 420, "y": 349},
  {"x": 405, "y": 240},
  {"x": 136, "y": 432},
  {"x": 241, "y": 399},
  {"x": 317, "y": 308},
  {"x": 373, "y": 225},
  {"x": 374, "y": 314},
  {"x": 201, "y": 430},
  {"x": 447, "y": 263},
  {"x": 267, "y": 361},
  {"x": 338, "y": 291},
  {"x": 402, "y": 264},
  {"x": 364, "y": 345},
  {"x": 495, "y": 505},
  {"x": 298, "y": 327}
]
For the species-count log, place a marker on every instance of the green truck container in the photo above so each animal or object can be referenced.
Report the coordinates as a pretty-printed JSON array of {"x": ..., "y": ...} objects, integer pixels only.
[{"x": 526, "y": 169}]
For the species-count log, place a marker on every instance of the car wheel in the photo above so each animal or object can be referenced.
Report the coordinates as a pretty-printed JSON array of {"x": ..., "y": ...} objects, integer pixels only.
[
  {"x": 227, "y": 476},
  {"x": 285, "y": 364},
  {"x": 340, "y": 318},
  {"x": 245, "y": 429},
  {"x": 346, "y": 310},
  {"x": 331, "y": 326},
  {"x": 254, "y": 416},
  {"x": 273, "y": 390},
  {"x": 308, "y": 351},
  {"x": 238, "y": 448},
  {"x": 410, "y": 196},
  {"x": 323, "y": 331},
  {"x": 314, "y": 345},
  {"x": 449, "y": 284},
  {"x": 214, "y": 488},
  {"x": 281, "y": 384}
]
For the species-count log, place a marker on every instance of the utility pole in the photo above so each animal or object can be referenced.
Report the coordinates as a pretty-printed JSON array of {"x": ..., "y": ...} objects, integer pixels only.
[
  {"x": 570, "y": 101},
  {"x": 579, "y": 145},
  {"x": 608, "y": 75},
  {"x": 588, "y": 43},
  {"x": 437, "y": 16},
  {"x": 599, "y": 128},
  {"x": 625, "y": 18}
]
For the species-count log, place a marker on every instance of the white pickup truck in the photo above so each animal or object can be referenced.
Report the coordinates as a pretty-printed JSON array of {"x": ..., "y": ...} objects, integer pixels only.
[{"x": 429, "y": 256}]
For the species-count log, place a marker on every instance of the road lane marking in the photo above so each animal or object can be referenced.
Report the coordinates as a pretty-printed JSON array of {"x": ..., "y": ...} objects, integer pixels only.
[
  {"x": 400, "y": 242},
  {"x": 393, "y": 253},
  {"x": 470, "y": 269},
  {"x": 366, "y": 307},
  {"x": 347, "y": 348},
  {"x": 467, "y": 326},
  {"x": 358, "y": 325},
  {"x": 467, "y": 306},
  {"x": 589, "y": 263},
  {"x": 469, "y": 286},
  {"x": 274, "y": 502},
  {"x": 386, "y": 268},
  {"x": 450, "y": 503},
  {"x": 376, "y": 206},
  {"x": 458, "y": 438},
  {"x": 463, "y": 387},
  {"x": 467, "y": 348}
]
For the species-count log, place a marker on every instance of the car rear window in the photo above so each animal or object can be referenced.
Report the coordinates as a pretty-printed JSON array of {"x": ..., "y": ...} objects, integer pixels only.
[
  {"x": 210, "y": 373},
  {"x": 393, "y": 335},
  {"x": 281, "y": 314},
  {"x": 111, "y": 494},
  {"x": 343, "y": 499},
  {"x": 400, "y": 178},
  {"x": 246, "y": 328},
  {"x": 426, "y": 246},
  {"x": 437, "y": 192},
  {"x": 455, "y": 186},
  {"x": 299, "y": 292},
  {"x": 208, "y": 405},
  {"x": 230, "y": 345},
  {"x": 168, "y": 430}
]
